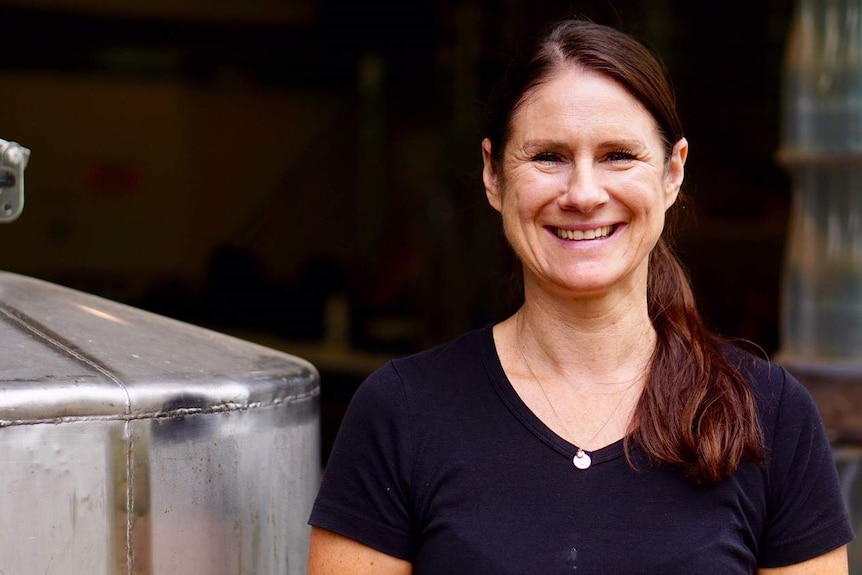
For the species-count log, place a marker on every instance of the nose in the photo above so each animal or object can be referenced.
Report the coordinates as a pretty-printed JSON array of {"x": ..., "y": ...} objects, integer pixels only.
[{"x": 584, "y": 191}]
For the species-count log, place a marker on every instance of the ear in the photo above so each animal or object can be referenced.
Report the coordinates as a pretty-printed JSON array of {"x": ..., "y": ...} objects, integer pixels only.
[
  {"x": 675, "y": 172},
  {"x": 490, "y": 178}
]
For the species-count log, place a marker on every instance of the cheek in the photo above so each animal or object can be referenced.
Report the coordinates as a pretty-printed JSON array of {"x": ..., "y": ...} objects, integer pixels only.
[
  {"x": 512, "y": 221},
  {"x": 645, "y": 196},
  {"x": 516, "y": 216},
  {"x": 529, "y": 192},
  {"x": 519, "y": 212}
]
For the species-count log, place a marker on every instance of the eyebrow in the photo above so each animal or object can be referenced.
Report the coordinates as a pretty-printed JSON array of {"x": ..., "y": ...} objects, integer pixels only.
[
  {"x": 555, "y": 144},
  {"x": 542, "y": 143}
]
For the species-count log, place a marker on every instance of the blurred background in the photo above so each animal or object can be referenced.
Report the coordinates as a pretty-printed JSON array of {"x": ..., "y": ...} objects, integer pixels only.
[{"x": 307, "y": 173}]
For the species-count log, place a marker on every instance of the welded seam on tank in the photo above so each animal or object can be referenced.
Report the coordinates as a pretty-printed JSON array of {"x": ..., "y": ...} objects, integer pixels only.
[
  {"x": 130, "y": 495},
  {"x": 28, "y": 324},
  {"x": 25, "y": 322},
  {"x": 221, "y": 408},
  {"x": 33, "y": 327}
]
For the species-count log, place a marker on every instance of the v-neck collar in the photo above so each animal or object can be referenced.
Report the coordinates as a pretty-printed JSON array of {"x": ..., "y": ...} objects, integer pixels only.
[{"x": 504, "y": 388}]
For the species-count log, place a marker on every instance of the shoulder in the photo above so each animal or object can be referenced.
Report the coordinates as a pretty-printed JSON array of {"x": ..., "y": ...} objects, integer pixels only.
[
  {"x": 806, "y": 515},
  {"x": 465, "y": 350},
  {"x": 429, "y": 374},
  {"x": 767, "y": 379},
  {"x": 456, "y": 359},
  {"x": 776, "y": 391}
]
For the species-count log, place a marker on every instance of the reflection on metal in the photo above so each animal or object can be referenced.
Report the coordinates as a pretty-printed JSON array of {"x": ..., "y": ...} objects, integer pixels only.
[
  {"x": 821, "y": 149},
  {"x": 132, "y": 443}
]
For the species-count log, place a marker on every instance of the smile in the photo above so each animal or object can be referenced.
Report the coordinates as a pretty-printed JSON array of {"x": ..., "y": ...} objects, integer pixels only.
[{"x": 579, "y": 235}]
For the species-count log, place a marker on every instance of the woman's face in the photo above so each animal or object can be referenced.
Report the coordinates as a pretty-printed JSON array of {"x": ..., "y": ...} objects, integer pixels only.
[{"x": 584, "y": 185}]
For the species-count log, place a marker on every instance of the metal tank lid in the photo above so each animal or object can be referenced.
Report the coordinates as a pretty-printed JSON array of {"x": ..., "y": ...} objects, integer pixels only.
[{"x": 69, "y": 355}]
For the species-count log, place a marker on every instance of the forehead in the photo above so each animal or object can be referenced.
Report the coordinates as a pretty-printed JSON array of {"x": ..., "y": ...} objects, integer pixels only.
[{"x": 574, "y": 99}]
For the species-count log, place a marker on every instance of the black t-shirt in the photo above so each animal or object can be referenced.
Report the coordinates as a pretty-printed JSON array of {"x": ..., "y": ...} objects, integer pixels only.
[{"x": 439, "y": 462}]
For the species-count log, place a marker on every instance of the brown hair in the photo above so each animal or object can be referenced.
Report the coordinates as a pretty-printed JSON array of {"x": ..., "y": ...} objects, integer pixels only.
[{"x": 697, "y": 412}]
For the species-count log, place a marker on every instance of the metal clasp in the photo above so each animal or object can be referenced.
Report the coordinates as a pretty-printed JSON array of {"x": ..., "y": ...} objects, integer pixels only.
[{"x": 13, "y": 161}]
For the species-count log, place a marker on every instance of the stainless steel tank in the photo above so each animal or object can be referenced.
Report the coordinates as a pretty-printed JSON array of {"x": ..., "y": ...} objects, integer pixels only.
[{"x": 131, "y": 443}]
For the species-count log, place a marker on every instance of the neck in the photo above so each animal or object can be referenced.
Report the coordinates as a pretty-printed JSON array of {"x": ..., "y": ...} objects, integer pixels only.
[{"x": 586, "y": 343}]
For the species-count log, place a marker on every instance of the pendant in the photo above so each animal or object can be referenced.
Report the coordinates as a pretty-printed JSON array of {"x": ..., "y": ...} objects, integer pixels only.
[{"x": 582, "y": 459}]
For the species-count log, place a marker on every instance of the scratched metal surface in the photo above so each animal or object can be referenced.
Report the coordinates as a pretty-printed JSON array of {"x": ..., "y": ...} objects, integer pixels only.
[{"x": 132, "y": 443}]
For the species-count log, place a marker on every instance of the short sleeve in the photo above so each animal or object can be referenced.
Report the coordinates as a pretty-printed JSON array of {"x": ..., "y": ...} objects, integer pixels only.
[
  {"x": 807, "y": 516},
  {"x": 365, "y": 487}
]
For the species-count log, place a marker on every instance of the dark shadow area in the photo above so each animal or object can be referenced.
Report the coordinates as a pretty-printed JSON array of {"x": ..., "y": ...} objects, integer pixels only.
[{"x": 307, "y": 174}]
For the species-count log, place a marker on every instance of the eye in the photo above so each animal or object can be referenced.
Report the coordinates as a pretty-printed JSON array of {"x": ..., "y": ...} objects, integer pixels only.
[
  {"x": 618, "y": 156},
  {"x": 547, "y": 158}
]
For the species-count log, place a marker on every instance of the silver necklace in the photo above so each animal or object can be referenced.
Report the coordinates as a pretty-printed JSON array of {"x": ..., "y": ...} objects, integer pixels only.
[{"x": 582, "y": 459}]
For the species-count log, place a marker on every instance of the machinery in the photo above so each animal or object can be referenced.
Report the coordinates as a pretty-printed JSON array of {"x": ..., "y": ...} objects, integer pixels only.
[{"x": 133, "y": 443}]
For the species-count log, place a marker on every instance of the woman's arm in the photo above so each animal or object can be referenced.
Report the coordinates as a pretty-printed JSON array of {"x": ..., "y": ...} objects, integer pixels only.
[
  {"x": 334, "y": 554},
  {"x": 832, "y": 563}
]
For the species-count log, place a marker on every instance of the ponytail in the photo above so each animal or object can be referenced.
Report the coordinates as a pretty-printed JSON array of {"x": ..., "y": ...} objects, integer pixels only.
[{"x": 697, "y": 411}]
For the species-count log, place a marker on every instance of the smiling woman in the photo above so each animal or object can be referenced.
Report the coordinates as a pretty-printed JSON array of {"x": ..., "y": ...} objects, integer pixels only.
[
  {"x": 602, "y": 427},
  {"x": 584, "y": 162}
]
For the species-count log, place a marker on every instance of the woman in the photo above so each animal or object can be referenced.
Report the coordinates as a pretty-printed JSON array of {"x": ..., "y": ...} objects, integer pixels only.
[{"x": 601, "y": 428}]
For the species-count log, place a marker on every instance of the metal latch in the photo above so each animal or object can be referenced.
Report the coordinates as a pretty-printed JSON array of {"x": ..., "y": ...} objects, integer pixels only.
[{"x": 13, "y": 161}]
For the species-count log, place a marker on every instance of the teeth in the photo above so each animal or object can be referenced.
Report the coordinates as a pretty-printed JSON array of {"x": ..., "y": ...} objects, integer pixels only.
[{"x": 576, "y": 235}]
